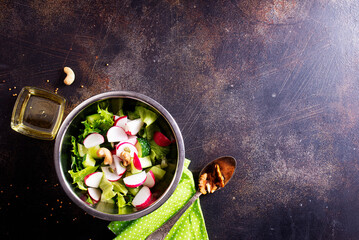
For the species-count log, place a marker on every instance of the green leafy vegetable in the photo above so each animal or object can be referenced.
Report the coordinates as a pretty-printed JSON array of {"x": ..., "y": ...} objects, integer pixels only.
[
  {"x": 146, "y": 115},
  {"x": 106, "y": 120},
  {"x": 158, "y": 152},
  {"x": 78, "y": 177},
  {"x": 88, "y": 128},
  {"x": 107, "y": 189},
  {"x": 76, "y": 159},
  {"x": 120, "y": 188},
  {"x": 100, "y": 123}
]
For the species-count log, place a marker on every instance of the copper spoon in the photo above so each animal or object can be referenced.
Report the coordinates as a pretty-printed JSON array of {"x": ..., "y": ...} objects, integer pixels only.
[{"x": 226, "y": 164}]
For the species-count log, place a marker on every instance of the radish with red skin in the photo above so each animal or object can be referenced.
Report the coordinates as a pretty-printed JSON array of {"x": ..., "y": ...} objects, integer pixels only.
[
  {"x": 116, "y": 134},
  {"x": 117, "y": 165},
  {"x": 150, "y": 180},
  {"x": 134, "y": 126},
  {"x": 161, "y": 140},
  {"x": 128, "y": 146},
  {"x": 137, "y": 162},
  {"x": 95, "y": 194},
  {"x": 93, "y": 179},
  {"x": 121, "y": 122},
  {"x": 93, "y": 139},
  {"x": 135, "y": 180},
  {"x": 115, "y": 118},
  {"x": 132, "y": 139},
  {"x": 142, "y": 198},
  {"x": 111, "y": 176}
]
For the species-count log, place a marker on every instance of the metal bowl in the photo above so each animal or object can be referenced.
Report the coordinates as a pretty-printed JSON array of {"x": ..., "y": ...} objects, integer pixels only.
[{"x": 69, "y": 127}]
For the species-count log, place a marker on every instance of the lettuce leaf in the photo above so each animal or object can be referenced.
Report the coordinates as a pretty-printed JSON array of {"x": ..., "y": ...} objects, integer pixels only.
[
  {"x": 100, "y": 125},
  {"x": 158, "y": 152},
  {"x": 146, "y": 115},
  {"x": 106, "y": 121},
  {"x": 78, "y": 177},
  {"x": 76, "y": 159}
]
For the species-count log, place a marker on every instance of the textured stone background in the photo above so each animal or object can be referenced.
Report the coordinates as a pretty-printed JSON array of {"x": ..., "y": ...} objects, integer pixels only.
[{"x": 272, "y": 83}]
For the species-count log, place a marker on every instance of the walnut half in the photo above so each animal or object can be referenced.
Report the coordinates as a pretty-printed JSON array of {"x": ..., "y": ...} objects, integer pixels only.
[
  {"x": 202, "y": 183},
  {"x": 126, "y": 158},
  {"x": 210, "y": 182}
]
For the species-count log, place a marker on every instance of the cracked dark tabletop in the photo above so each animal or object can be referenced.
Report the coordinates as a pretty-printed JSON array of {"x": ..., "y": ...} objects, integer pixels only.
[{"x": 272, "y": 83}]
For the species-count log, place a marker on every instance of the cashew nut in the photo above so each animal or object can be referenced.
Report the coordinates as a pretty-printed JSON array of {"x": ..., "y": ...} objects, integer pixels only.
[
  {"x": 70, "y": 78},
  {"x": 104, "y": 152}
]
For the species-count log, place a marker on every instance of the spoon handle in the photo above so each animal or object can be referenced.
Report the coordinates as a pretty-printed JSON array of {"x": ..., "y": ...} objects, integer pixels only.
[{"x": 161, "y": 233}]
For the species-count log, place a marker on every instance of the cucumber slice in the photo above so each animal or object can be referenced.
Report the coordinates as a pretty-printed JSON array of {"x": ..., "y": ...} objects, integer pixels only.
[
  {"x": 88, "y": 161},
  {"x": 146, "y": 162},
  {"x": 82, "y": 150},
  {"x": 92, "y": 151},
  {"x": 92, "y": 118},
  {"x": 143, "y": 147},
  {"x": 158, "y": 172},
  {"x": 134, "y": 191},
  {"x": 164, "y": 163}
]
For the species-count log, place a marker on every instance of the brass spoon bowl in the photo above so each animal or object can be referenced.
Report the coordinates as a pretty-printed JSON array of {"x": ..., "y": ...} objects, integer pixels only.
[{"x": 227, "y": 166}]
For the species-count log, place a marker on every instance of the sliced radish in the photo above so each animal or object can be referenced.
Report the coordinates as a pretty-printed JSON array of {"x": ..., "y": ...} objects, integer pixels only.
[
  {"x": 117, "y": 165},
  {"x": 93, "y": 139},
  {"x": 126, "y": 146},
  {"x": 135, "y": 180},
  {"x": 134, "y": 126},
  {"x": 150, "y": 180},
  {"x": 136, "y": 162},
  {"x": 110, "y": 175},
  {"x": 95, "y": 194},
  {"x": 161, "y": 140},
  {"x": 115, "y": 118},
  {"x": 116, "y": 134},
  {"x": 93, "y": 179},
  {"x": 132, "y": 139},
  {"x": 142, "y": 198},
  {"x": 121, "y": 122}
]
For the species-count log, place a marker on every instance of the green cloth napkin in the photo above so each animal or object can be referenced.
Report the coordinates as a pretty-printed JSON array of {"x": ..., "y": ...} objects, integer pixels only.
[{"x": 190, "y": 226}]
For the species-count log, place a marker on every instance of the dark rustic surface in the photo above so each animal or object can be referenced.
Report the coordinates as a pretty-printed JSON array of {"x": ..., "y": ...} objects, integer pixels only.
[{"x": 272, "y": 83}]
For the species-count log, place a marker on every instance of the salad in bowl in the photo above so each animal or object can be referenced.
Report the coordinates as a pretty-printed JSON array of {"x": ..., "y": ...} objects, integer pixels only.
[{"x": 119, "y": 157}]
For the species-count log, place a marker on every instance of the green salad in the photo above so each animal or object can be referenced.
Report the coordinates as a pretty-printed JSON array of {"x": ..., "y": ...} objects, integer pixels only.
[{"x": 122, "y": 159}]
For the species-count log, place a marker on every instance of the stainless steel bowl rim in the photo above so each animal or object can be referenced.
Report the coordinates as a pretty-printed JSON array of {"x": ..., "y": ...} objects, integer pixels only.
[{"x": 68, "y": 186}]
